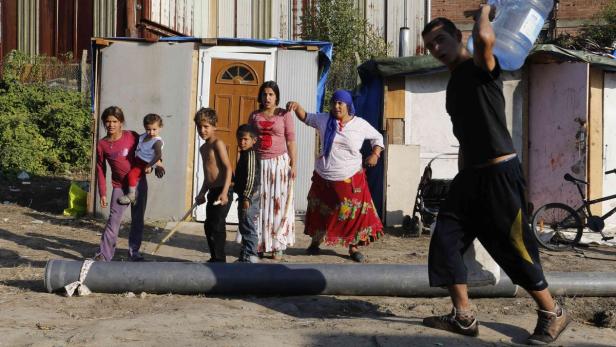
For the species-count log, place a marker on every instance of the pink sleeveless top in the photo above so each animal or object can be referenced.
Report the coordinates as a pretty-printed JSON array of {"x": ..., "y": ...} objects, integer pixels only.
[{"x": 273, "y": 132}]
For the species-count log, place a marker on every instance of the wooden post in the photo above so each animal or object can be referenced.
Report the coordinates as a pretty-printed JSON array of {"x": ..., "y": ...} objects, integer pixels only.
[
  {"x": 595, "y": 139},
  {"x": 131, "y": 18},
  {"x": 83, "y": 68}
]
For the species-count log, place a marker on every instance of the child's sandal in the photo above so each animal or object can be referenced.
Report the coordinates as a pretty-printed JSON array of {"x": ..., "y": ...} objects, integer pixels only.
[{"x": 358, "y": 257}]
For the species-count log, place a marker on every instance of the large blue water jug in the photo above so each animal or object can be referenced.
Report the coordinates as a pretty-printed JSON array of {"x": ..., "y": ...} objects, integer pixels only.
[{"x": 517, "y": 24}]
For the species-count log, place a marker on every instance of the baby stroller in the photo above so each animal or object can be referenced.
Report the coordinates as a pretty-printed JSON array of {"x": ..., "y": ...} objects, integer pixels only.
[{"x": 430, "y": 193}]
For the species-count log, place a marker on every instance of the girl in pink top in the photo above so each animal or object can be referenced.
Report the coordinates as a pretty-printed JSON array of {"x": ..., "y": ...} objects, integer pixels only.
[
  {"x": 117, "y": 149},
  {"x": 277, "y": 151}
]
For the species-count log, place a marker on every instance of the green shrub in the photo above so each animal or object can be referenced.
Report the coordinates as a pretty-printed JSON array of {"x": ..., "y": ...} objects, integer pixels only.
[{"x": 43, "y": 129}]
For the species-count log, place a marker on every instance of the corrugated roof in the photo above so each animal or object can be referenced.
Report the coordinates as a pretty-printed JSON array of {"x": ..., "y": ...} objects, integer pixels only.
[{"x": 387, "y": 67}]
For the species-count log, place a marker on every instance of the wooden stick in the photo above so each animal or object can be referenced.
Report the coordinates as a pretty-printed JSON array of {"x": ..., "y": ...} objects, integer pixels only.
[{"x": 175, "y": 228}]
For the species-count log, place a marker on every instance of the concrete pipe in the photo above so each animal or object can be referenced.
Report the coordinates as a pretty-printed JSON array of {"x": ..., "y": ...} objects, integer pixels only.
[
  {"x": 257, "y": 279},
  {"x": 582, "y": 283}
]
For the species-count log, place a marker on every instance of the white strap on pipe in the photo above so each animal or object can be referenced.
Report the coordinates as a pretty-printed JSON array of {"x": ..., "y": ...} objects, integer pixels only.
[{"x": 82, "y": 289}]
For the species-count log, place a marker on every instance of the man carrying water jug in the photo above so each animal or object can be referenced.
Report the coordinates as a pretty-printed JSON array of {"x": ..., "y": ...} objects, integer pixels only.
[{"x": 486, "y": 198}]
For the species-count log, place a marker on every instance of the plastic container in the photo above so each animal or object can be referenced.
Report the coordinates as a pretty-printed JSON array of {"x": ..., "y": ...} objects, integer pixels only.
[{"x": 516, "y": 25}]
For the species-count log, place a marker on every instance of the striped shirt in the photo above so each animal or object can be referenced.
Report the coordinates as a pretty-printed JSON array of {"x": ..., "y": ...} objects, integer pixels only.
[{"x": 247, "y": 174}]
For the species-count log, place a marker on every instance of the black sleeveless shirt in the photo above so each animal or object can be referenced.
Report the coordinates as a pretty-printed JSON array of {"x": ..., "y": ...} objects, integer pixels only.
[{"x": 476, "y": 104}]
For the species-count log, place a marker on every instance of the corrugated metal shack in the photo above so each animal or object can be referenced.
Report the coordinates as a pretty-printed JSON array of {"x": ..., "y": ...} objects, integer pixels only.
[
  {"x": 55, "y": 28},
  {"x": 176, "y": 76}
]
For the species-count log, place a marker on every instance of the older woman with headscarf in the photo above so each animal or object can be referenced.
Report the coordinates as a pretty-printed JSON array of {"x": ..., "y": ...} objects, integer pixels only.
[{"x": 340, "y": 207}]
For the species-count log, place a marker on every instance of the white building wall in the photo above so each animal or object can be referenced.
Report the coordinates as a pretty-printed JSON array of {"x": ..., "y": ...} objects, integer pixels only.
[
  {"x": 609, "y": 144},
  {"x": 428, "y": 124}
]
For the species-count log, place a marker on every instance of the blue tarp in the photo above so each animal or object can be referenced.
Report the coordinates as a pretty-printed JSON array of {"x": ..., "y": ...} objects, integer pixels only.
[
  {"x": 325, "y": 56},
  {"x": 368, "y": 101}
]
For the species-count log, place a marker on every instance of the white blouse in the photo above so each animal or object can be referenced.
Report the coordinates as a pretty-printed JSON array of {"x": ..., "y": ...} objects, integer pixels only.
[{"x": 345, "y": 158}]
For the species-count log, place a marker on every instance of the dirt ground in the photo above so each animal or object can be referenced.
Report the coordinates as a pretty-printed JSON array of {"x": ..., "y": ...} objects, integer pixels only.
[{"x": 33, "y": 230}]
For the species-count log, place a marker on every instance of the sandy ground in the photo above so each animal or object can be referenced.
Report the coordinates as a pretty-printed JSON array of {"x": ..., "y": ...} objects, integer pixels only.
[{"x": 32, "y": 317}]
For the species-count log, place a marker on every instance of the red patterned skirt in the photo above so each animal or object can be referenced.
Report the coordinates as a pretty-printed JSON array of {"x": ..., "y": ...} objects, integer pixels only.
[{"x": 342, "y": 212}]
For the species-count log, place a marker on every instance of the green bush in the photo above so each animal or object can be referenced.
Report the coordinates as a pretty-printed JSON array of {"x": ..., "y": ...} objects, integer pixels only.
[
  {"x": 354, "y": 39},
  {"x": 43, "y": 130}
]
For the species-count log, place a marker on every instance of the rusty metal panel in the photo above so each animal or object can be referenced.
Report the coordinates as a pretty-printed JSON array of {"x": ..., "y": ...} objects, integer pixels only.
[
  {"x": 557, "y": 131},
  {"x": 105, "y": 18},
  {"x": 180, "y": 16},
  {"x": 27, "y": 26},
  {"x": 155, "y": 11},
  {"x": 282, "y": 19},
  {"x": 164, "y": 13},
  {"x": 172, "y": 14},
  {"x": 375, "y": 11},
  {"x": 404, "y": 13}
]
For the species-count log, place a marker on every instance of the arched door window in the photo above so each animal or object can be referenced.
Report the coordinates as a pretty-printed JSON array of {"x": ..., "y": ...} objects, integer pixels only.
[{"x": 237, "y": 74}]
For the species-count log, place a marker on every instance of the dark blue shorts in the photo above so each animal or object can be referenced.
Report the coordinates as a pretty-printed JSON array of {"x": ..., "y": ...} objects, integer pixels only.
[{"x": 488, "y": 204}]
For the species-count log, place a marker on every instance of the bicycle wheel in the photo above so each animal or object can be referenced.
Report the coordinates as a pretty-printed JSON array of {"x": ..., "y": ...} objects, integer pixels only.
[{"x": 557, "y": 226}]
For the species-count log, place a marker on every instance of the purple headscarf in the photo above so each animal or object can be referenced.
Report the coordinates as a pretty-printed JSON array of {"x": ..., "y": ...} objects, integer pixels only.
[{"x": 330, "y": 132}]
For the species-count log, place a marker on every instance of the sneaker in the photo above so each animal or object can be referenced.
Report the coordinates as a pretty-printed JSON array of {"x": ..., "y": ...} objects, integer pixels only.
[
  {"x": 449, "y": 322},
  {"x": 126, "y": 200},
  {"x": 549, "y": 326}
]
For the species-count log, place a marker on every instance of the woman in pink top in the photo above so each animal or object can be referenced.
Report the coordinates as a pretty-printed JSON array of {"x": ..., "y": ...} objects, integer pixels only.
[
  {"x": 117, "y": 149},
  {"x": 277, "y": 152}
]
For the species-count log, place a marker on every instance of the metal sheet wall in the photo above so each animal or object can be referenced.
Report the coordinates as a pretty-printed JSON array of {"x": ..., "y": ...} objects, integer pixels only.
[
  {"x": 27, "y": 26},
  {"x": 272, "y": 19},
  {"x": 404, "y": 13},
  {"x": 226, "y": 24},
  {"x": 261, "y": 21},
  {"x": 243, "y": 19},
  {"x": 176, "y": 15},
  {"x": 204, "y": 18},
  {"x": 296, "y": 75},
  {"x": 105, "y": 18},
  {"x": 388, "y": 17}
]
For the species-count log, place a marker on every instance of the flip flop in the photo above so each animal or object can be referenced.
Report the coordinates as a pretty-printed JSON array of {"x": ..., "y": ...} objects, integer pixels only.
[{"x": 358, "y": 257}]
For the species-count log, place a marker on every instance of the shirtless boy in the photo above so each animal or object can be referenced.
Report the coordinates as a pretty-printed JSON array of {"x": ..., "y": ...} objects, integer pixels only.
[{"x": 216, "y": 183}]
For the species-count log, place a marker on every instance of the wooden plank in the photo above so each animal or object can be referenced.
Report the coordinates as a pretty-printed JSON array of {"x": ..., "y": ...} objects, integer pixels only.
[
  {"x": 394, "y": 105},
  {"x": 525, "y": 121},
  {"x": 190, "y": 167},
  {"x": 395, "y": 131},
  {"x": 209, "y": 41},
  {"x": 95, "y": 116},
  {"x": 101, "y": 42},
  {"x": 595, "y": 138}
]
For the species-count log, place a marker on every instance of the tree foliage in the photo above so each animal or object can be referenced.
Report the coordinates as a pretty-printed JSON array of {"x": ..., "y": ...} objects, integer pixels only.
[
  {"x": 340, "y": 22},
  {"x": 599, "y": 37},
  {"x": 42, "y": 129}
]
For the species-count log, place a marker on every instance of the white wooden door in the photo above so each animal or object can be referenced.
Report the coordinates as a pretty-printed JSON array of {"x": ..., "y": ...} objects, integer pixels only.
[{"x": 208, "y": 57}]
